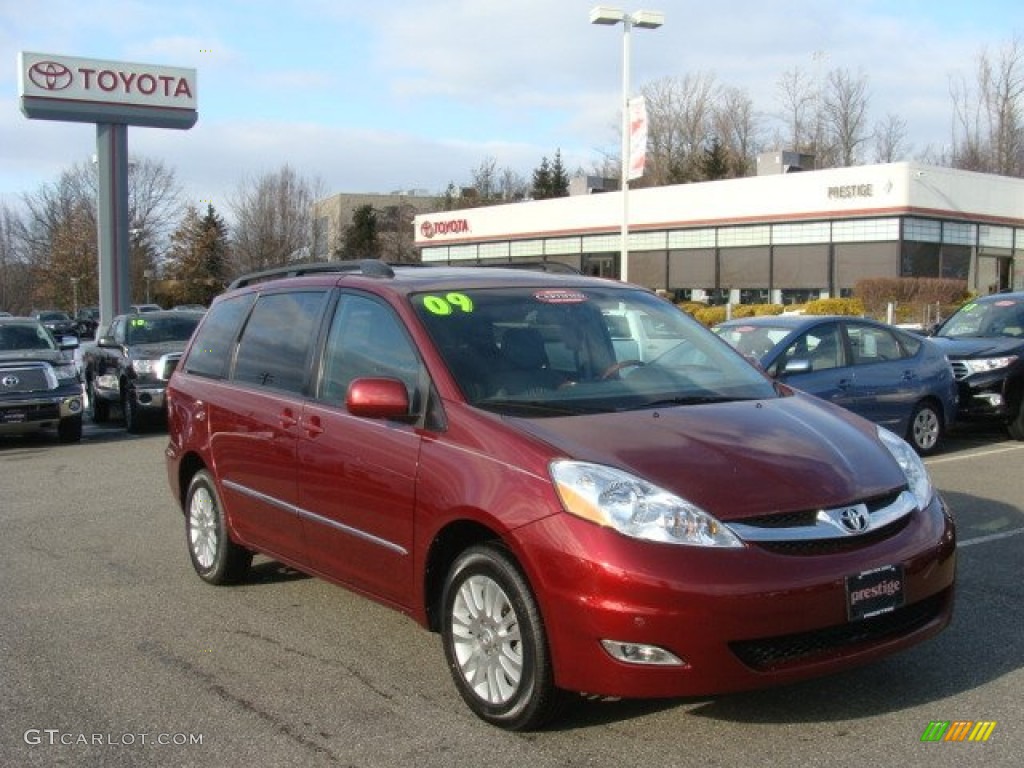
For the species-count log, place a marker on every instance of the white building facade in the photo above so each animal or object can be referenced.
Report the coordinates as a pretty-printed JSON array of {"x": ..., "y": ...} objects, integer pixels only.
[{"x": 777, "y": 238}]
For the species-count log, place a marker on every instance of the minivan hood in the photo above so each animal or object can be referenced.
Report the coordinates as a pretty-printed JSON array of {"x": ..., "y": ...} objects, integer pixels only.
[
  {"x": 971, "y": 347},
  {"x": 737, "y": 459}
]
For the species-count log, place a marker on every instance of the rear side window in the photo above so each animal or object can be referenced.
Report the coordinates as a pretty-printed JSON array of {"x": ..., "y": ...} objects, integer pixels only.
[
  {"x": 211, "y": 352},
  {"x": 276, "y": 345}
]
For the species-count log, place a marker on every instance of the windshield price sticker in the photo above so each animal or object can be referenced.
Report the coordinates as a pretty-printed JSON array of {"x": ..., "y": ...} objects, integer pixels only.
[
  {"x": 447, "y": 304},
  {"x": 138, "y": 322},
  {"x": 560, "y": 297}
]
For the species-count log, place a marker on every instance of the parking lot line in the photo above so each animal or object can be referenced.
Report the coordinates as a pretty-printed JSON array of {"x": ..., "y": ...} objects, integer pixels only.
[
  {"x": 973, "y": 454},
  {"x": 989, "y": 537}
]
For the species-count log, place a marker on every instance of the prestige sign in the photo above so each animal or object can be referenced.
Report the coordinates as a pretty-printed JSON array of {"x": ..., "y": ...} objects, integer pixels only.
[{"x": 55, "y": 87}]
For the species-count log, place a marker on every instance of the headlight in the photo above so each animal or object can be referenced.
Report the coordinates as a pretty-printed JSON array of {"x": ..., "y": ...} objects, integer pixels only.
[
  {"x": 145, "y": 366},
  {"x": 988, "y": 364},
  {"x": 66, "y": 372},
  {"x": 918, "y": 481},
  {"x": 634, "y": 507}
]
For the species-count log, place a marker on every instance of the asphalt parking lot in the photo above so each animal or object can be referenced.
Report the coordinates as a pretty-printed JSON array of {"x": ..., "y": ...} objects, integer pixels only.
[{"x": 114, "y": 653}]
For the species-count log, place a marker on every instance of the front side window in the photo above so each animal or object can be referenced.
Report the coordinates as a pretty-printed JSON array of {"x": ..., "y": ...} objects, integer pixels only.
[
  {"x": 276, "y": 344},
  {"x": 563, "y": 351},
  {"x": 366, "y": 340},
  {"x": 821, "y": 347}
]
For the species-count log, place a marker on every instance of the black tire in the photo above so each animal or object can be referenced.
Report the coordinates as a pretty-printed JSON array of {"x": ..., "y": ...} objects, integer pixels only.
[
  {"x": 925, "y": 430},
  {"x": 134, "y": 421},
  {"x": 100, "y": 408},
  {"x": 1016, "y": 426},
  {"x": 215, "y": 557},
  {"x": 496, "y": 650},
  {"x": 69, "y": 430}
]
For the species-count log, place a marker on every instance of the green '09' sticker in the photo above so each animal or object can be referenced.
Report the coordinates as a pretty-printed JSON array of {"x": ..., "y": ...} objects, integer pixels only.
[{"x": 445, "y": 305}]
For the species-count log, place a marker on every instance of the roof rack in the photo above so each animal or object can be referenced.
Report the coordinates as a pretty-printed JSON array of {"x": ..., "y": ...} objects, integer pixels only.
[{"x": 367, "y": 267}]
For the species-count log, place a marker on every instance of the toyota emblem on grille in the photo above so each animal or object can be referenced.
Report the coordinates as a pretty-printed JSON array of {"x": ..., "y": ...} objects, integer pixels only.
[
  {"x": 11, "y": 381},
  {"x": 855, "y": 519}
]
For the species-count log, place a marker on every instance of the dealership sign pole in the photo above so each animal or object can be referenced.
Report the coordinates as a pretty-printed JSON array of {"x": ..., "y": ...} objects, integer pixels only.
[{"x": 113, "y": 95}]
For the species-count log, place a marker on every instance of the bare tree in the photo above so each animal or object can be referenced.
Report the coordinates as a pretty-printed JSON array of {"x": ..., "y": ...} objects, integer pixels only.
[
  {"x": 737, "y": 127},
  {"x": 680, "y": 125},
  {"x": 890, "y": 137},
  {"x": 844, "y": 112},
  {"x": 273, "y": 216},
  {"x": 988, "y": 123},
  {"x": 799, "y": 98}
]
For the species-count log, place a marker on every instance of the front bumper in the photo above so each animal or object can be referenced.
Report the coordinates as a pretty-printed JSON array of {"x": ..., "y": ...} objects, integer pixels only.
[
  {"x": 989, "y": 397},
  {"x": 738, "y": 619},
  {"x": 28, "y": 414}
]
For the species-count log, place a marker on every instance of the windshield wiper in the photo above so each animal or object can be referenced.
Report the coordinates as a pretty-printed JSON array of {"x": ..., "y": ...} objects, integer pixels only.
[{"x": 694, "y": 400}]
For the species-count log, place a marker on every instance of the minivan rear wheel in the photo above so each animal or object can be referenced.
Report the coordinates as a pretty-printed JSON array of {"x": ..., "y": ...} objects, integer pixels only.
[
  {"x": 494, "y": 641},
  {"x": 215, "y": 557}
]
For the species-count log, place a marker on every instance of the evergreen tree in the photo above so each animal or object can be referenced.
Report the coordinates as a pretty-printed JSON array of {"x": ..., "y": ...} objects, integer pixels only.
[
  {"x": 715, "y": 162},
  {"x": 362, "y": 239},
  {"x": 559, "y": 177},
  {"x": 198, "y": 257},
  {"x": 542, "y": 181}
]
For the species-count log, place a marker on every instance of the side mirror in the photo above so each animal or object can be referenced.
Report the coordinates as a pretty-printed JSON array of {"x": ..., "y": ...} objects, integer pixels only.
[
  {"x": 378, "y": 399},
  {"x": 68, "y": 342},
  {"x": 106, "y": 341},
  {"x": 799, "y": 365}
]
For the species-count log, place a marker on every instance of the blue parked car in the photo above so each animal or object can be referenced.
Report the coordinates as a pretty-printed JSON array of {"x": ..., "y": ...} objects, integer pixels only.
[{"x": 897, "y": 379}]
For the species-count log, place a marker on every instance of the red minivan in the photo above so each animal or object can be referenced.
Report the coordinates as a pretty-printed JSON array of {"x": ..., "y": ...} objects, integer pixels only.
[{"x": 574, "y": 507}]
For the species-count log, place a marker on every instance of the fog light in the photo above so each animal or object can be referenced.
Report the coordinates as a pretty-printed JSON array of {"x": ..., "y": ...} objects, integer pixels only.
[
  {"x": 74, "y": 405},
  {"x": 994, "y": 399},
  {"x": 641, "y": 653}
]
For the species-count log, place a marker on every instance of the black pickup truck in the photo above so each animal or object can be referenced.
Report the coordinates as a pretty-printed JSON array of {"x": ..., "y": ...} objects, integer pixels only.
[
  {"x": 39, "y": 383},
  {"x": 131, "y": 362},
  {"x": 984, "y": 341}
]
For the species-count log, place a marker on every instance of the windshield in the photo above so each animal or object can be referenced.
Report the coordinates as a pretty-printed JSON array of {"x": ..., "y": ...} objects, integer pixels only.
[
  {"x": 49, "y": 317},
  {"x": 538, "y": 352},
  {"x": 14, "y": 338},
  {"x": 157, "y": 330},
  {"x": 1002, "y": 317}
]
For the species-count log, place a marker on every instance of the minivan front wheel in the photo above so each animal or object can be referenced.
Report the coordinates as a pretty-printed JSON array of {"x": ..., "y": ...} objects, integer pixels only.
[
  {"x": 494, "y": 641},
  {"x": 215, "y": 557}
]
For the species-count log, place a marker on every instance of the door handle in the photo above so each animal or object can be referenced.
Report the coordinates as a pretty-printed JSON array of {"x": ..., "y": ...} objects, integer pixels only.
[
  {"x": 313, "y": 426},
  {"x": 287, "y": 419}
]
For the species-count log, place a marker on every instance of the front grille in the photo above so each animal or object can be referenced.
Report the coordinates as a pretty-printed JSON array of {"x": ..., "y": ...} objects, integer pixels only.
[
  {"x": 960, "y": 371},
  {"x": 770, "y": 653},
  {"x": 832, "y": 546},
  {"x": 167, "y": 365},
  {"x": 807, "y": 532},
  {"x": 26, "y": 377}
]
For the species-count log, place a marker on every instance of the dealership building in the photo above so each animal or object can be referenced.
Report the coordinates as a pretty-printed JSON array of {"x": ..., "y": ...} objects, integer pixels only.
[{"x": 779, "y": 237}]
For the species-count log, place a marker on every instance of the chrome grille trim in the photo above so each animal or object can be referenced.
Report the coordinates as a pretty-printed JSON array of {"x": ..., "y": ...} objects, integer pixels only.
[{"x": 828, "y": 523}]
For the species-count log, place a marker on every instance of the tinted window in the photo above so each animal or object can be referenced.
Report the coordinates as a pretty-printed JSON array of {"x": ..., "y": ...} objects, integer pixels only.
[
  {"x": 366, "y": 340},
  {"x": 160, "y": 330},
  {"x": 211, "y": 352},
  {"x": 275, "y": 347}
]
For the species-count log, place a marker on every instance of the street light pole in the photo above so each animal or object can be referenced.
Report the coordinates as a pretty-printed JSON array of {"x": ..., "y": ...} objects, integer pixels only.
[{"x": 644, "y": 20}]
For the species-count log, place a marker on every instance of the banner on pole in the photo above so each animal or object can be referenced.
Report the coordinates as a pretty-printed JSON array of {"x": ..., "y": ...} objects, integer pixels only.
[{"x": 637, "y": 137}]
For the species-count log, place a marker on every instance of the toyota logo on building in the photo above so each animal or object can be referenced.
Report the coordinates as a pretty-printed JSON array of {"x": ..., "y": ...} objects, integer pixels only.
[
  {"x": 10, "y": 381},
  {"x": 50, "y": 75},
  {"x": 451, "y": 227},
  {"x": 855, "y": 519}
]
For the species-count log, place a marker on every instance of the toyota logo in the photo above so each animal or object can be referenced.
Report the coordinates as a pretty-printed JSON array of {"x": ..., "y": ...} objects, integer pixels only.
[
  {"x": 11, "y": 381},
  {"x": 855, "y": 519},
  {"x": 427, "y": 229},
  {"x": 50, "y": 75}
]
